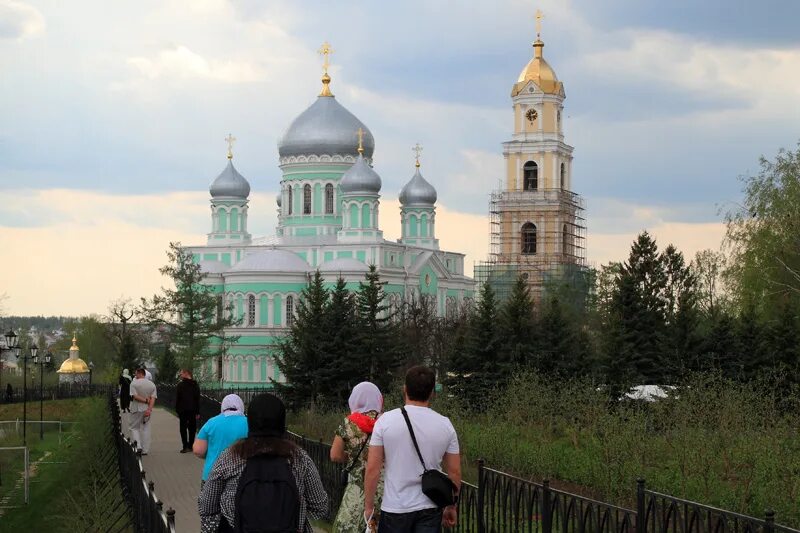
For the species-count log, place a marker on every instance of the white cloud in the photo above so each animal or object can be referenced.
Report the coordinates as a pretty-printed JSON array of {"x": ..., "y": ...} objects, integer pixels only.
[
  {"x": 19, "y": 20},
  {"x": 182, "y": 63}
]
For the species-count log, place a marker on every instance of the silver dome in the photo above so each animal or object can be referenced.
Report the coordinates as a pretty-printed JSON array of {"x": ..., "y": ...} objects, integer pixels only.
[
  {"x": 271, "y": 261},
  {"x": 418, "y": 192},
  {"x": 230, "y": 184},
  {"x": 325, "y": 128},
  {"x": 360, "y": 178}
]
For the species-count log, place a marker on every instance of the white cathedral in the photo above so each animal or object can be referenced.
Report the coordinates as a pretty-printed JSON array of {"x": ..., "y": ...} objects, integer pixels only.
[{"x": 328, "y": 220}]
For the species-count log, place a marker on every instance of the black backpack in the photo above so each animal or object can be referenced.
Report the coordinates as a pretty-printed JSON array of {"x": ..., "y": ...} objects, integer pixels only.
[{"x": 267, "y": 499}]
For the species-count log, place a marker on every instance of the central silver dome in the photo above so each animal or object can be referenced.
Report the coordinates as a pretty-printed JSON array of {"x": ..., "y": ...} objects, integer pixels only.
[
  {"x": 325, "y": 128},
  {"x": 360, "y": 178}
]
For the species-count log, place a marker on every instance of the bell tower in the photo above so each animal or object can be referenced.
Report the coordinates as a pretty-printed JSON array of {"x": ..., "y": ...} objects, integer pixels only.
[{"x": 536, "y": 224}]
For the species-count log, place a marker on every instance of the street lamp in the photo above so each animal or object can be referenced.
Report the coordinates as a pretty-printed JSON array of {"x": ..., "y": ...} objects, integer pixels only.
[
  {"x": 91, "y": 369},
  {"x": 45, "y": 361},
  {"x": 11, "y": 344},
  {"x": 34, "y": 351}
]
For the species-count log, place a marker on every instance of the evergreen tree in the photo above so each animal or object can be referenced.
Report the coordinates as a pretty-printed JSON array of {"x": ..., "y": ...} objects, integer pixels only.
[
  {"x": 518, "y": 344},
  {"x": 681, "y": 314},
  {"x": 341, "y": 368},
  {"x": 476, "y": 373},
  {"x": 560, "y": 350},
  {"x": 378, "y": 347},
  {"x": 192, "y": 311},
  {"x": 751, "y": 335},
  {"x": 128, "y": 354},
  {"x": 167, "y": 366},
  {"x": 784, "y": 339},
  {"x": 302, "y": 353},
  {"x": 719, "y": 350}
]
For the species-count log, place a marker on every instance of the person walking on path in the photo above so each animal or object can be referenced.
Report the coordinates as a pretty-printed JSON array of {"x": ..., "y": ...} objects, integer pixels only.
[
  {"x": 350, "y": 446},
  {"x": 404, "y": 507},
  {"x": 291, "y": 483},
  {"x": 187, "y": 405},
  {"x": 125, "y": 391},
  {"x": 143, "y": 397},
  {"x": 220, "y": 432}
]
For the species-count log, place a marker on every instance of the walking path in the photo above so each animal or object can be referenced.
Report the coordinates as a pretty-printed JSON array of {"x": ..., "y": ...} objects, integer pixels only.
[{"x": 176, "y": 475}]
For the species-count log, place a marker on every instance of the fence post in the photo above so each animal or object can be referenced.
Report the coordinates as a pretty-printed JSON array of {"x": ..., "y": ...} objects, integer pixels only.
[
  {"x": 641, "y": 519},
  {"x": 547, "y": 510},
  {"x": 171, "y": 519},
  {"x": 769, "y": 518},
  {"x": 480, "y": 503}
]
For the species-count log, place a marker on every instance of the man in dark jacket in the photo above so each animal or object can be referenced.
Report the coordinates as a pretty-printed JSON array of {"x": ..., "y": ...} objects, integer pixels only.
[{"x": 187, "y": 405}]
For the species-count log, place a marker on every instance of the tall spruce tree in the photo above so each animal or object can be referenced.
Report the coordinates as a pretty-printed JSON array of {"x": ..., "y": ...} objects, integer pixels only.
[
  {"x": 518, "y": 343},
  {"x": 561, "y": 350},
  {"x": 378, "y": 346},
  {"x": 681, "y": 314},
  {"x": 476, "y": 373},
  {"x": 192, "y": 312},
  {"x": 302, "y": 353},
  {"x": 341, "y": 368},
  {"x": 752, "y": 337}
]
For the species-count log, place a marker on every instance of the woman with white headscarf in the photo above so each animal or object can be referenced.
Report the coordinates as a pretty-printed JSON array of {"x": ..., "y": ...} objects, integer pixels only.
[
  {"x": 220, "y": 432},
  {"x": 350, "y": 446}
]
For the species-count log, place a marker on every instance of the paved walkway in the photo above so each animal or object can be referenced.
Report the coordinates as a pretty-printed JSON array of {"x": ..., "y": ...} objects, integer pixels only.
[{"x": 176, "y": 475}]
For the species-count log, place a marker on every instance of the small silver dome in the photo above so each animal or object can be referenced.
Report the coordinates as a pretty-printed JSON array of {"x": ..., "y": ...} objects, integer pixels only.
[
  {"x": 360, "y": 178},
  {"x": 230, "y": 183},
  {"x": 418, "y": 192},
  {"x": 326, "y": 127}
]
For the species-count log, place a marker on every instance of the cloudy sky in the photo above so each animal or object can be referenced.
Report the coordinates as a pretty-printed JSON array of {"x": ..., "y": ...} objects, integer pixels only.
[{"x": 113, "y": 114}]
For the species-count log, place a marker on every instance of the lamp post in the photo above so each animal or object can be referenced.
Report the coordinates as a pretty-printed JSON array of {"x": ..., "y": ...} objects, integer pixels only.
[
  {"x": 11, "y": 344},
  {"x": 34, "y": 351},
  {"x": 45, "y": 361},
  {"x": 91, "y": 369}
]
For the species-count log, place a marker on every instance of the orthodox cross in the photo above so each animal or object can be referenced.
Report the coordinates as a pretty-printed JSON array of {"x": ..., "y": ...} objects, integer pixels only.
[
  {"x": 360, "y": 134},
  {"x": 325, "y": 51},
  {"x": 417, "y": 149},
  {"x": 539, "y": 17},
  {"x": 230, "y": 140}
]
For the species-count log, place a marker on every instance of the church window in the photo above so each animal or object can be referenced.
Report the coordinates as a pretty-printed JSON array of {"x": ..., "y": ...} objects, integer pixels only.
[
  {"x": 563, "y": 176},
  {"x": 290, "y": 198},
  {"x": 329, "y": 199},
  {"x": 530, "y": 173},
  {"x": 289, "y": 310},
  {"x": 306, "y": 199},
  {"x": 251, "y": 311},
  {"x": 528, "y": 238}
]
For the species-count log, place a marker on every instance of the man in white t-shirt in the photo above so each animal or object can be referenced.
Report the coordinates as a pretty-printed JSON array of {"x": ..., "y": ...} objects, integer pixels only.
[
  {"x": 404, "y": 508},
  {"x": 143, "y": 397}
]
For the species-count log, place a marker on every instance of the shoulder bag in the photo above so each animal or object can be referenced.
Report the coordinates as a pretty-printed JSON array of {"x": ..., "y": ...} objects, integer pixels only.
[
  {"x": 345, "y": 475},
  {"x": 435, "y": 483}
]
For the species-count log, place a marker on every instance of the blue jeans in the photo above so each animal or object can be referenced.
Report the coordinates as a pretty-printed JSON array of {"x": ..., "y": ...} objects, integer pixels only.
[{"x": 424, "y": 521}]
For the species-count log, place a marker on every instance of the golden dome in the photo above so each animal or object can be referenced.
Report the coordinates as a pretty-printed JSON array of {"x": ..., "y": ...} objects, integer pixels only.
[
  {"x": 73, "y": 366},
  {"x": 539, "y": 72}
]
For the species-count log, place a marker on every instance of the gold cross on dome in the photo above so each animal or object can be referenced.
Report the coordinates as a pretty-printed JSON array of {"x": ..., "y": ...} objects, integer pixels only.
[
  {"x": 230, "y": 139},
  {"x": 360, "y": 134},
  {"x": 417, "y": 149},
  {"x": 539, "y": 17},
  {"x": 325, "y": 51}
]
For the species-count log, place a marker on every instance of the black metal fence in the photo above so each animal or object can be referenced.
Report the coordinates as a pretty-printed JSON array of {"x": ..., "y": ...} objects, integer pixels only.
[
  {"x": 62, "y": 391},
  {"x": 502, "y": 503},
  {"x": 148, "y": 515}
]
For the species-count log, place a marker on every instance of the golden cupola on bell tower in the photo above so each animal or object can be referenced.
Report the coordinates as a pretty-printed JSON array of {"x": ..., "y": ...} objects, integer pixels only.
[{"x": 537, "y": 228}]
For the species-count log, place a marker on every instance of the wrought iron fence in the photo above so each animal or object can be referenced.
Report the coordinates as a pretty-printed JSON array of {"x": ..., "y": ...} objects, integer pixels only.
[
  {"x": 148, "y": 515},
  {"x": 62, "y": 391},
  {"x": 662, "y": 513}
]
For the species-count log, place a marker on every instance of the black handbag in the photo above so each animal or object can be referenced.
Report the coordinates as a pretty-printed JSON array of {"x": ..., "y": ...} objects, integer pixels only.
[
  {"x": 345, "y": 475},
  {"x": 436, "y": 485}
]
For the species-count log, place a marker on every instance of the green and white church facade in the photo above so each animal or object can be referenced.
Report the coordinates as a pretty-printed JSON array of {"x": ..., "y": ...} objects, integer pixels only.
[{"x": 328, "y": 220}]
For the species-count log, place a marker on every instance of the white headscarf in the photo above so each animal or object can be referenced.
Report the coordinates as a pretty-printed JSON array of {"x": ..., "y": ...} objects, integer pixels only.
[
  {"x": 148, "y": 375},
  {"x": 232, "y": 405},
  {"x": 365, "y": 397},
  {"x": 126, "y": 374}
]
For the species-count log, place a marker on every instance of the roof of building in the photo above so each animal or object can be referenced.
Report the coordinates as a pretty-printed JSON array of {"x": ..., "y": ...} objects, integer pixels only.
[
  {"x": 271, "y": 261},
  {"x": 539, "y": 72},
  {"x": 212, "y": 267},
  {"x": 343, "y": 264}
]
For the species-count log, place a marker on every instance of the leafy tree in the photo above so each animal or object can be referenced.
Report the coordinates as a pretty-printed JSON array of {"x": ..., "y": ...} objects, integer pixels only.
[
  {"x": 94, "y": 343},
  {"x": 378, "y": 349},
  {"x": 417, "y": 324},
  {"x": 192, "y": 312},
  {"x": 129, "y": 354},
  {"x": 517, "y": 330},
  {"x": 166, "y": 366},
  {"x": 764, "y": 235},
  {"x": 302, "y": 353},
  {"x": 708, "y": 267},
  {"x": 477, "y": 372}
]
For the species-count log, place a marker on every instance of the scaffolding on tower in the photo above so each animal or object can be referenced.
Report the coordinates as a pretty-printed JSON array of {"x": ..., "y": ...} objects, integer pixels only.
[{"x": 539, "y": 234}]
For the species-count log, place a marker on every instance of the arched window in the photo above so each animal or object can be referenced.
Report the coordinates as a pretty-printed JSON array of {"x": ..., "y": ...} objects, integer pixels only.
[
  {"x": 565, "y": 240},
  {"x": 563, "y": 176},
  {"x": 306, "y": 199},
  {"x": 251, "y": 311},
  {"x": 528, "y": 238},
  {"x": 291, "y": 200},
  {"x": 289, "y": 310},
  {"x": 329, "y": 199},
  {"x": 530, "y": 176}
]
